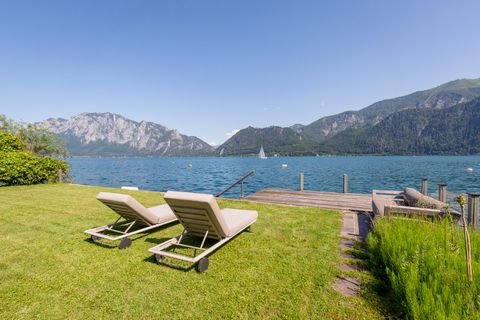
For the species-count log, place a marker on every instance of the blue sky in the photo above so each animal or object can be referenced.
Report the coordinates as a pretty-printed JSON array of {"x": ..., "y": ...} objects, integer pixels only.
[{"x": 210, "y": 67}]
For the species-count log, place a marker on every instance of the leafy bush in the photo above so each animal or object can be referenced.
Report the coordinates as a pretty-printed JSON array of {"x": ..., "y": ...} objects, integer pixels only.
[
  {"x": 10, "y": 142},
  {"x": 425, "y": 265},
  {"x": 23, "y": 168},
  {"x": 28, "y": 153}
]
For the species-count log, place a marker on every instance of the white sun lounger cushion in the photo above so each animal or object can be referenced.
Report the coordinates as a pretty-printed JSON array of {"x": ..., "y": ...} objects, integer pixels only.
[
  {"x": 130, "y": 209},
  {"x": 236, "y": 219}
]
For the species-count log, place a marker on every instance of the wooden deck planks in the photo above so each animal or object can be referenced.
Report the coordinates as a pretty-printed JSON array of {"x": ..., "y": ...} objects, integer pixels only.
[{"x": 328, "y": 200}]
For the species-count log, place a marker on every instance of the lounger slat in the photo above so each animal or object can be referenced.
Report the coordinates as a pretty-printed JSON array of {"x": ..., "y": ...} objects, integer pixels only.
[
  {"x": 197, "y": 227},
  {"x": 192, "y": 216},
  {"x": 195, "y": 221},
  {"x": 201, "y": 235},
  {"x": 187, "y": 225},
  {"x": 191, "y": 213},
  {"x": 201, "y": 232},
  {"x": 189, "y": 210}
]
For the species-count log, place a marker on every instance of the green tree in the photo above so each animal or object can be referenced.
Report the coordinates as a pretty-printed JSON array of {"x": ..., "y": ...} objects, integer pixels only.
[
  {"x": 36, "y": 140},
  {"x": 42, "y": 142}
]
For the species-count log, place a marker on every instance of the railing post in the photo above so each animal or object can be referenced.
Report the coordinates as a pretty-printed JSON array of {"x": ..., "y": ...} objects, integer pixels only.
[
  {"x": 442, "y": 192},
  {"x": 425, "y": 186},
  {"x": 345, "y": 183},
  {"x": 473, "y": 203},
  {"x": 301, "y": 181},
  {"x": 239, "y": 181}
]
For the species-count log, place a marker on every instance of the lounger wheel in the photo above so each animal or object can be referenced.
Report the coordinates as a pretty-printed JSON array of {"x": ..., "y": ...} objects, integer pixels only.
[
  {"x": 249, "y": 229},
  {"x": 159, "y": 257},
  {"x": 125, "y": 243},
  {"x": 94, "y": 238},
  {"x": 202, "y": 265}
]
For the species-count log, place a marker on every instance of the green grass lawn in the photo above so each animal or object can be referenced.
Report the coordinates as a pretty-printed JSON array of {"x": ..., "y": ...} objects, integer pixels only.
[{"x": 49, "y": 268}]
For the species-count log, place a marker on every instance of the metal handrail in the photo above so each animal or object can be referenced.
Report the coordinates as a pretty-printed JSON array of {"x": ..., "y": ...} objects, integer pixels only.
[{"x": 235, "y": 183}]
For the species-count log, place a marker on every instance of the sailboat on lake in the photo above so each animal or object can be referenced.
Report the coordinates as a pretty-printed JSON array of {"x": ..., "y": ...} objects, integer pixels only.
[{"x": 261, "y": 154}]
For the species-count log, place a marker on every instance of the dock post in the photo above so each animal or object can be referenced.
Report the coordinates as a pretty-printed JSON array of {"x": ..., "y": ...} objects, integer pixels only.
[
  {"x": 473, "y": 203},
  {"x": 301, "y": 181},
  {"x": 60, "y": 175},
  {"x": 442, "y": 192},
  {"x": 425, "y": 186},
  {"x": 345, "y": 183},
  {"x": 241, "y": 190}
]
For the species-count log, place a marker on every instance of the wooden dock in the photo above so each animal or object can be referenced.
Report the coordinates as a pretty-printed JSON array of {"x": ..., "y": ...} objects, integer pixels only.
[{"x": 328, "y": 200}]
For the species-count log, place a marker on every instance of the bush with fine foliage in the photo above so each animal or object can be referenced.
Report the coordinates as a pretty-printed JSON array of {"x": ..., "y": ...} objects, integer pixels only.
[{"x": 424, "y": 263}]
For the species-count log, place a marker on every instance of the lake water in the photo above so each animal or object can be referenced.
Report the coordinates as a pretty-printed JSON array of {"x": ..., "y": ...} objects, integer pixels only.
[{"x": 212, "y": 175}]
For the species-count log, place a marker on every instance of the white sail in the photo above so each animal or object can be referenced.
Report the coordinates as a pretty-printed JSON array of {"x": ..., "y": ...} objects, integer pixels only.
[{"x": 261, "y": 154}]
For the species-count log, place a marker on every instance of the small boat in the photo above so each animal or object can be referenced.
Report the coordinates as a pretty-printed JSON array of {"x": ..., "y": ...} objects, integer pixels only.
[
  {"x": 469, "y": 169},
  {"x": 284, "y": 165},
  {"x": 261, "y": 154}
]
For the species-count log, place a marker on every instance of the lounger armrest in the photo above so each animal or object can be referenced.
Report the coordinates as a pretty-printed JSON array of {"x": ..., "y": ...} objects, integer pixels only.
[
  {"x": 405, "y": 210},
  {"x": 376, "y": 192}
]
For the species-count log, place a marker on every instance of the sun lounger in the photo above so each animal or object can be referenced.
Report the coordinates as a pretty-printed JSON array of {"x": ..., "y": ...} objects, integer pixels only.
[
  {"x": 131, "y": 213},
  {"x": 202, "y": 218}
]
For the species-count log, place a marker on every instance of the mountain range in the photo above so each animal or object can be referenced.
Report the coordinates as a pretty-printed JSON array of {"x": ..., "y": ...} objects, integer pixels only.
[
  {"x": 329, "y": 135},
  {"x": 109, "y": 134},
  {"x": 441, "y": 120}
]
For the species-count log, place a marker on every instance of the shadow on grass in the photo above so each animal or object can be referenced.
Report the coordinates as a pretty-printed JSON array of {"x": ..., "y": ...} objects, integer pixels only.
[
  {"x": 380, "y": 295},
  {"x": 194, "y": 241},
  {"x": 111, "y": 244},
  {"x": 103, "y": 244},
  {"x": 171, "y": 263},
  {"x": 375, "y": 288}
]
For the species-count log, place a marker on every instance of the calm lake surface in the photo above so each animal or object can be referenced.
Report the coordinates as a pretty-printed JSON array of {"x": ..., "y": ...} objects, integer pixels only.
[{"x": 212, "y": 175}]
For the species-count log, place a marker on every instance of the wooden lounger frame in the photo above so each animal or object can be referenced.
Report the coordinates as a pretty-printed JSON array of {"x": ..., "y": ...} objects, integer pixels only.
[
  {"x": 99, "y": 231},
  {"x": 160, "y": 251}
]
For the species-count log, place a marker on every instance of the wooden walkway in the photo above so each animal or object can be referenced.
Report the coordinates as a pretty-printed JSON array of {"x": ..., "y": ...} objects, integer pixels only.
[{"x": 328, "y": 200}]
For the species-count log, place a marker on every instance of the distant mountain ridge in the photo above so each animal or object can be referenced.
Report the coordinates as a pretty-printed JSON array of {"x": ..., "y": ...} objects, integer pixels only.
[
  {"x": 411, "y": 124},
  {"x": 425, "y": 131},
  {"x": 319, "y": 136},
  {"x": 110, "y": 134},
  {"x": 443, "y": 96},
  {"x": 283, "y": 141}
]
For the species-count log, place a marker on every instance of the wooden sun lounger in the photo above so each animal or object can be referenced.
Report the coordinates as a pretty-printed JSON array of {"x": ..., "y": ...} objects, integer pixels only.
[
  {"x": 131, "y": 213},
  {"x": 201, "y": 217}
]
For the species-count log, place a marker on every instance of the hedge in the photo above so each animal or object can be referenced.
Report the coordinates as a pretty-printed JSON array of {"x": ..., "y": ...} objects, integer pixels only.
[{"x": 23, "y": 168}]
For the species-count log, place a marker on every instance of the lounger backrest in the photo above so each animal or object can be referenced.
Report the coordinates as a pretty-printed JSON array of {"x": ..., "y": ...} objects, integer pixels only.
[
  {"x": 198, "y": 213},
  {"x": 127, "y": 207}
]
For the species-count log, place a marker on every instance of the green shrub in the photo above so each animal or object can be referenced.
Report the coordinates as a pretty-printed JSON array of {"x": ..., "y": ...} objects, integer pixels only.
[
  {"x": 425, "y": 265},
  {"x": 26, "y": 154},
  {"x": 10, "y": 142},
  {"x": 23, "y": 168}
]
